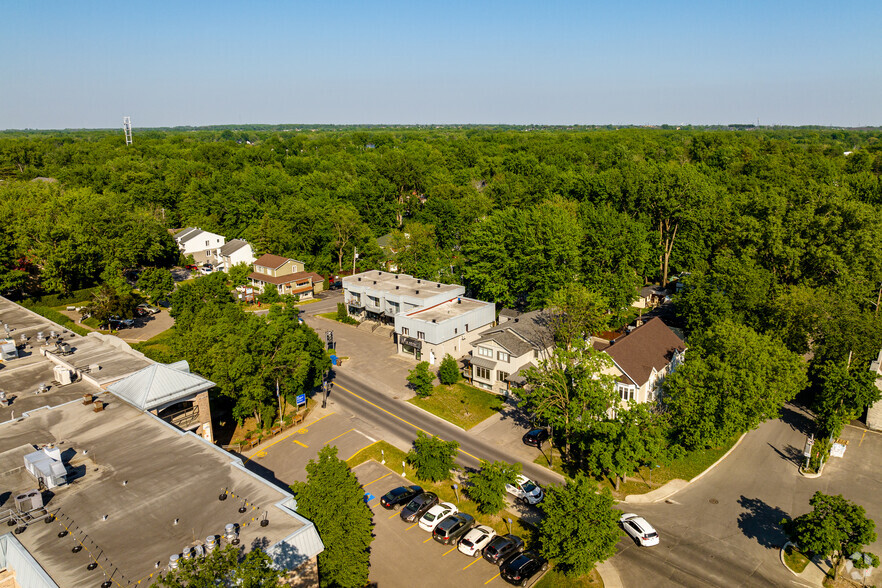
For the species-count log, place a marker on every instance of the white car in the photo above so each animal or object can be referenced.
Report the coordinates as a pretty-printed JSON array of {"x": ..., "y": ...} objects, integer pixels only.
[
  {"x": 639, "y": 530},
  {"x": 435, "y": 515},
  {"x": 476, "y": 540},
  {"x": 525, "y": 489}
]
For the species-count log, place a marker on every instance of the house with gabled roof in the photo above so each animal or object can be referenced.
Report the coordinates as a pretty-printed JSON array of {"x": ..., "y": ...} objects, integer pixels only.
[
  {"x": 642, "y": 359},
  {"x": 234, "y": 252},
  {"x": 499, "y": 358},
  {"x": 287, "y": 275},
  {"x": 204, "y": 246}
]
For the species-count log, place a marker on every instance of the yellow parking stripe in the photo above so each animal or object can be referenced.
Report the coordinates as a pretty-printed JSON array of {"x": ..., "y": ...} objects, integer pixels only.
[
  {"x": 377, "y": 480},
  {"x": 363, "y": 399},
  {"x": 338, "y": 436},
  {"x": 300, "y": 444},
  {"x": 477, "y": 559},
  {"x": 491, "y": 579},
  {"x": 263, "y": 449},
  {"x": 362, "y": 449},
  {"x": 449, "y": 550},
  {"x": 411, "y": 527},
  {"x": 394, "y": 515},
  {"x": 427, "y": 540}
]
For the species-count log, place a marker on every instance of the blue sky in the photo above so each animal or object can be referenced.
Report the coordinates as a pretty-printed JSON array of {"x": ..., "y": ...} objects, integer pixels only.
[{"x": 88, "y": 64}]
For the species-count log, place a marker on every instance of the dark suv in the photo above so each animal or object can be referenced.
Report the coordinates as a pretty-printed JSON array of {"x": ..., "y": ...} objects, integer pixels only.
[
  {"x": 396, "y": 497},
  {"x": 520, "y": 569},
  {"x": 502, "y": 547},
  {"x": 452, "y": 528},
  {"x": 418, "y": 507}
]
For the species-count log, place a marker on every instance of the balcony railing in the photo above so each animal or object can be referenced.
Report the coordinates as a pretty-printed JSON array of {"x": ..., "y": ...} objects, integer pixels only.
[{"x": 184, "y": 418}]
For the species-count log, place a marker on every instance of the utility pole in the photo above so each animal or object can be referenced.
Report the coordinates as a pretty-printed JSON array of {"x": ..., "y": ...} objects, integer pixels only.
[
  {"x": 354, "y": 257},
  {"x": 878, "y": 301}
]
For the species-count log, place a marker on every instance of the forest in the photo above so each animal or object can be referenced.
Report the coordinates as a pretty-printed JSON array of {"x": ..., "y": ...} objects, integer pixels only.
[{"x": 778, "y": 231}]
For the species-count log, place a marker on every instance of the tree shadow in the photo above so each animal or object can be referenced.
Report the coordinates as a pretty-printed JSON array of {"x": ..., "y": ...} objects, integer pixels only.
[
  {"x": 797, "y": 420},
  {"x": 512, "y": 412},
  {"x": 762, "y": 522},
  {"x": 790, "y": 453}
]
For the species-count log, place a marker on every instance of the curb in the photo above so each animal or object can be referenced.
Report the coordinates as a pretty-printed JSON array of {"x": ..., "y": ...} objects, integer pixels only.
[
  {"x": 781, "y": 556},
  {"x": 817, "y": 474},
  {"x": 677, "y": 485},
  {"x": 609, "y": 575}
]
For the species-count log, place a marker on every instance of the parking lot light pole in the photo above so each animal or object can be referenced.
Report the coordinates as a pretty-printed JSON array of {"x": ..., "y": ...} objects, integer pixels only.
[
  {"x": 456, "y": 491},
  {"x": 508, "y": 522}
]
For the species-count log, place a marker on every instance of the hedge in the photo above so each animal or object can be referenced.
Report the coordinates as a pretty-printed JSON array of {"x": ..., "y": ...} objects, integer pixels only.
[
  {"x": 84, "y": 295},
  {"x": 58, "y": 318}
]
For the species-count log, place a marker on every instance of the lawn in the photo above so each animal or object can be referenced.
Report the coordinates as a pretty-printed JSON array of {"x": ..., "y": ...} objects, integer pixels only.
[
  {"x": 685, "y": 468},
  {"x": 556, "y": 579},
  {"x": 394, "y": 456},
  {"x": 794, "y": 559},
  {"x": 460, "y": 404},
  {"x": 159, "y": 347}
]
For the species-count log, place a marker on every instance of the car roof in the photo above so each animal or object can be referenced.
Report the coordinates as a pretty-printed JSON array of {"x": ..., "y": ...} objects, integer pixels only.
[
  {"x": 522, "y": 479},
  {"x": 642, "y": 524},
  {"x": 442, "y": 506}
]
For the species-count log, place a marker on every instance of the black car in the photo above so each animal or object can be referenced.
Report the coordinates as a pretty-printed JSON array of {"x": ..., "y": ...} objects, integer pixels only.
[
  {"x": 502, "y": 547},
  {"x": 520, "y": 569},
  {"x": 452, "y": 528},
  {"x": 535, "y": 437},
  {"x": 398, "y": 496},
  {"x": 418, "y": 507}
]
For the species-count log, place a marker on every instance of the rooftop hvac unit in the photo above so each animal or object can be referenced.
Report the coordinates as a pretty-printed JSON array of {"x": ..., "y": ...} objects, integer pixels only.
[
  {"x": 29, "y": 501},
  {"x": 8, "y": 350},
  {"x": 62, "y": 375},
  {"x": 46, "y": 465}
]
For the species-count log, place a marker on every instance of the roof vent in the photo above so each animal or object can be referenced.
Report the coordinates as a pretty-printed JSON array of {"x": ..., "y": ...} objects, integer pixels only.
[
  {"x": 416, "y": 291},
  {"x": 396, "y": 276},
  {"x": 439, "y": 285},
  {"x": 397, "y": 287},
  {"x": 419, "y": 281},
  {"x": 359, "y": 279},
  {"x": 375, "y": 282},
  {"x": 173, "y": 562},
  {"x": 459, "y": 300},
  {"x": 210, "y": 543},
  {"x": 231, "y": 534},
  {"x": 434, "y": 321}
]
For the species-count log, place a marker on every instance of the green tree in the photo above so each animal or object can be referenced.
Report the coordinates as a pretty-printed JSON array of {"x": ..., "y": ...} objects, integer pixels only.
[
  {"x": 156, "y": 282},
  {"x": 570, "y": 391},
  {"x": 487, "y": 485},
  {"x": 433, "y": 458},
  {"x": 448, "y": 373},
  {"x": 580, "y": 526},
  {"x": 843, "y": 396},
  {"x": 252, "y": 570},
  {"x": 576, "y": 313},
  {"x": 733, "y": 380},
  {"x": 270, "y": 294},
  {"x": 333, "y": 500},
  {"x": 834, "y": 527},
  {"x": 421, "y": 378},
  {"x": 239, "y": 273}
]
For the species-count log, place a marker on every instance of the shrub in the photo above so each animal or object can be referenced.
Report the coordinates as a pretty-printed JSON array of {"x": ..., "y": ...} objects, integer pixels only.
[
  {"x": 421, "y": 379},
  {"x": 448, "y": 373}
]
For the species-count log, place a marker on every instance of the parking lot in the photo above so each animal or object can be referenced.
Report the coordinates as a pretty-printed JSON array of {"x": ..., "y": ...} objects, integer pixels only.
[
  {"x": 284, "y": 458},
  {"x": 404, "y": 555}
]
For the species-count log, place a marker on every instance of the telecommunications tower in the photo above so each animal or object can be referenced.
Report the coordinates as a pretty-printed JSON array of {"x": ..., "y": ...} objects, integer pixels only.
[{"x": 127, "y": 127}]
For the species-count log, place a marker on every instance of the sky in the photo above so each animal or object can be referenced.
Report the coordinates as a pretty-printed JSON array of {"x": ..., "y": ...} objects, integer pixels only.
[{"x": 88, "y": 64}]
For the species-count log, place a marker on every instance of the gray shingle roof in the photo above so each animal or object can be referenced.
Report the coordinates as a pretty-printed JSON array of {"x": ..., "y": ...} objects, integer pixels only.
[
  {"x": 232, "y": 246},
  {"x": 520, "y": 335}
]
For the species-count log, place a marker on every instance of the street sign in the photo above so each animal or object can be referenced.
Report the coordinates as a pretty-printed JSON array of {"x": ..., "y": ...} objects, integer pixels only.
[
  {"x": 301, "y": 399},
  {"x": 807, "y": 452}
]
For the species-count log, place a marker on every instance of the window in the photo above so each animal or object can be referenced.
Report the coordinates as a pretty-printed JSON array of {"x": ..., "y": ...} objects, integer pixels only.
[
  {"x": 208, "y": 244},
  {"x": 467, "y": 327},
  {"x": 455, "y": 330},
  {"x": 485, "y": 352},
  {"x": 482, "y": 373},
  {"x": 421, "y": 336},
  {"x": 501, "y": 376},
  {"x": 405, "y": 331},
  {"x": 626, "y": 392},
  {"x": 502, "y": 356}
]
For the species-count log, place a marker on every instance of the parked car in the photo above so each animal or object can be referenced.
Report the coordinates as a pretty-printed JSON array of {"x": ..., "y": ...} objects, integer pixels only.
[
  {"x": 435, "y": 515},
  {"x": 535, "y": 437},
  {"x": 476, "y": 539},
  {"x": 397, "y": 497},
  {"x": 502, "y": 547},
  {"x": 418, "y": 506},
  {"x": 525, "y": 489},
  {"x": 120, "y": 322},
  {"x": 639, "y": 530},
  {"x": 453, "y": 527},
  {"x": 148, "y": 309},
  {"x": 191, "y": 268},
  {"x": 522, "y": 569}
]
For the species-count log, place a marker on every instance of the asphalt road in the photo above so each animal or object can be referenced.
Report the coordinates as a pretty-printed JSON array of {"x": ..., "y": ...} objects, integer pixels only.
[{"x": 402, "y": 420}]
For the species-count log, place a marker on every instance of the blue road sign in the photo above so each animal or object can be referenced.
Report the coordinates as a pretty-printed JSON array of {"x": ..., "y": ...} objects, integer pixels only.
[{"x": 301, "y": 399}]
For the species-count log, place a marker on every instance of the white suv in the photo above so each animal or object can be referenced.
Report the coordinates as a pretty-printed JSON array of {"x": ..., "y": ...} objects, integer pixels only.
[
  {"x": 639, "y": 530},
  {"x": 525, "y": 489}
]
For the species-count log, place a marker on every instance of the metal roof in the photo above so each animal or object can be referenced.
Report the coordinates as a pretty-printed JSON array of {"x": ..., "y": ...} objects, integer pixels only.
[{"x": 159, "y": 384}]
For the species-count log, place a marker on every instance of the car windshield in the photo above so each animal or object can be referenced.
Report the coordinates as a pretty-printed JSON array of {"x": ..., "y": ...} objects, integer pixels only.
[
  {"x": 528, "y": 486},
  {"x": 398, "y": 492},
  {"x": 650, "y": 535},
  {"x": 413, "y": 505}
]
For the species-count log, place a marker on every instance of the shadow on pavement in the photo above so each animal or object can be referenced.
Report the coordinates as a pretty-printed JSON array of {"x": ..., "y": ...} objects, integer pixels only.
[
  {"x": 797, "y": 420},
  {"x": 762, "y": 522},
  {"x": 510, "y": 411},
  {"x": 790, "y": 453},
  {"x": 267, "y": 474}
]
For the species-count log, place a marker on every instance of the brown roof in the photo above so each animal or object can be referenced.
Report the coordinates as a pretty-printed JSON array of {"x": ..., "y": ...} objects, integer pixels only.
[
  {"x": 299, "y": 278},
  {"x": 271, "y": 261},
  {"x": 651, "y": 345}
]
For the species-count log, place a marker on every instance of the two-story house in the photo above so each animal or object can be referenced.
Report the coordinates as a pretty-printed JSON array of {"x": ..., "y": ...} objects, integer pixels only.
[
  {"x": 287, "y": 275},
  {"x": 500, "y": 356},
  {"x": 642, "y": 358},
  {"x": 233, "y": 252},
  {"x": 204, "y": 246}
]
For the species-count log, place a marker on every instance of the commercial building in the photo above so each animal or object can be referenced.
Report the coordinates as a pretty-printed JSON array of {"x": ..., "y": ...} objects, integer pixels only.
[{"x": 431, "y": 319}]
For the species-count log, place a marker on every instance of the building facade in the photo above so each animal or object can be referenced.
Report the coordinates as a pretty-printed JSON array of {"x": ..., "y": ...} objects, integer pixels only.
[
  {"x": 234, "y": 252},
  {"x": 204, "y": 246}
]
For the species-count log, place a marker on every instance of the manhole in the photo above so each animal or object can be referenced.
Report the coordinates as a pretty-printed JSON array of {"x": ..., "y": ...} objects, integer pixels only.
[{"x": 714, "y": 501}]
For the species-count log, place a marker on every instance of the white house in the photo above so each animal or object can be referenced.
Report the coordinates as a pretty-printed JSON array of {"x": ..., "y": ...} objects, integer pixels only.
[
  {"x": 233, "y": 252},
  {"x": 202, "y": 245}
]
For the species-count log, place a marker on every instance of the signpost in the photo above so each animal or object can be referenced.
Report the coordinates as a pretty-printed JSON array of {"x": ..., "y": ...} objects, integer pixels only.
[
  {"x": 301, "y": 400},
  {"x": 807, "y": 451}
]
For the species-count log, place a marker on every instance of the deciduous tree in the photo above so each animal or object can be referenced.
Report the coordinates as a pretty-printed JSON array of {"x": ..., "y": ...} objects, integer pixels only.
[
  {"x": 433, "y": 458},
  {"x": 448, "y": 373},
  {"x": 421, "y": 378},
  {"x": 227, "y": 564},
  {"x": 487, "y": 485}
]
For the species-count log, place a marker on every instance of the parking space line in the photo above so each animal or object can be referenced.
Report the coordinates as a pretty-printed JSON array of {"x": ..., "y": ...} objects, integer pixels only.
[
  {"x": 392, "y": 414},
  {"x": 862, "y": 439},
  {"x": 362, "y": 449},
  {"x": 491, "y": 579},
  {"x": 377, "y": 480},
  {"x": 411, "y": 527},
  {"x": 427, "y": 540},
  {"x": 280, "y": 439},
  {"x": 477, "y": 559},
  {"x": 449, "y": 550},
  {"x": 394, "y": 514},
  {"x": 299, "y": 443},
  {"x": 338, "y": 436}
]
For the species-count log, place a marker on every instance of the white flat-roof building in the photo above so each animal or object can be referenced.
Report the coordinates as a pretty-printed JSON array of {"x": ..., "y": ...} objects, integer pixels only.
[{"x": 431, "y": 319}]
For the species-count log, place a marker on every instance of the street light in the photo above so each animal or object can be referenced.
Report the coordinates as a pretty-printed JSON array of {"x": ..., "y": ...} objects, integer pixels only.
[
  {"x": 456, "y": 491},
  {"x": 508, "y": 522}
]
